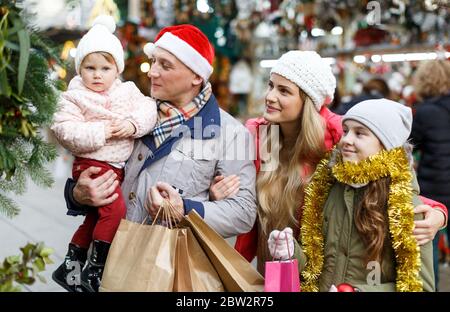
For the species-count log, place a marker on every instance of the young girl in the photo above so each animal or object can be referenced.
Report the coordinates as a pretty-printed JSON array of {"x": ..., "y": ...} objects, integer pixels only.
[
  {"x": 301, "y": 84},
  {"x": 97, "y": 120},
  {"x": 358, "y": 215}
]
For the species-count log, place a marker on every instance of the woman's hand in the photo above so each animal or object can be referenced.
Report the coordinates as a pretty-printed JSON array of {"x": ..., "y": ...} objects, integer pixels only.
[
  {"x": 426, "y": 229},
  {"x": 223, "y": 187}
]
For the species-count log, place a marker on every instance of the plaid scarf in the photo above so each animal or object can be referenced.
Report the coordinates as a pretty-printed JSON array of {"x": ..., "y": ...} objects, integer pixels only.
[{"x": 170, "y": 117}]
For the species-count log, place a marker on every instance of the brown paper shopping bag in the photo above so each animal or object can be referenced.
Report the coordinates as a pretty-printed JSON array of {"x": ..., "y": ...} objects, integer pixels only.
[
  {"x": 141, "y": 258},
  {"x": 193, "y": 270},
  {"x": 236, "y": 273}
]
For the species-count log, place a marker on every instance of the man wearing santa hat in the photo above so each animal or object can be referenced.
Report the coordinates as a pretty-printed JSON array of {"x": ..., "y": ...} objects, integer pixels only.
[{"x": 193, "y": 141}]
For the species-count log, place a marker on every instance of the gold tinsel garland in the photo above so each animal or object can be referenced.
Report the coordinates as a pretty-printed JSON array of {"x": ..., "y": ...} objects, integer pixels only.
[{"x": 393, "y": 163}]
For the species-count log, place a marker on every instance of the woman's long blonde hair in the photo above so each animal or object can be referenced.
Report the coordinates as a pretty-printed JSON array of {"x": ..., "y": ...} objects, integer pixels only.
[{"x": 280, "y": 191}]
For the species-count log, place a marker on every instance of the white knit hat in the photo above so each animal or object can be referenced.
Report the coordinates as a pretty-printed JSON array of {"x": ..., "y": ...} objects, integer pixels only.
[
  {"x": 310, "y": 72},
  {"x": 100, "y": 38},
  {"x": 388, "y": 120}
]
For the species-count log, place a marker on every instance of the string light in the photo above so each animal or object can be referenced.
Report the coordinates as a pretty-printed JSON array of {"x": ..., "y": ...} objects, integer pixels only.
[
  {"x": 399, "y": 57},
  {"x": 145, "y": 67}
]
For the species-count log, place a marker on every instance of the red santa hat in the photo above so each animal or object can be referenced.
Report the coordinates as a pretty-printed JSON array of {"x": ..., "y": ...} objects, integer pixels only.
[{"x": 189, "y": 45}]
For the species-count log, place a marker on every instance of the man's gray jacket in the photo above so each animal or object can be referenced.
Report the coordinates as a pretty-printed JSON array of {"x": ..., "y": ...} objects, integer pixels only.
[{"x": 209, "y": 144}]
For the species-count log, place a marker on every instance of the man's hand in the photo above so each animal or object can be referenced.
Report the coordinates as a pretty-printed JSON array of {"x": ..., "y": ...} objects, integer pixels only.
[
  {"x": 121, "y": 129},
  {"x": 163, "y": 191},
  {"x": 95, "y": 192},
  {"x": 426, "y": 229}
]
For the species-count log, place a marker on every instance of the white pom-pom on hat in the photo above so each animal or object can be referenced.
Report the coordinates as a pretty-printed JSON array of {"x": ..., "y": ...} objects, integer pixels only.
[
  {"x": 149, "y": 48},
  {"x": 105, "y": 20}
]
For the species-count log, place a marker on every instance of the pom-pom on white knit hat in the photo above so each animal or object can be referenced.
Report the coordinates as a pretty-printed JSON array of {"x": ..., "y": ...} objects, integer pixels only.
[
  {"x": 310, "y": 72},
  {"x": 100, "y": 38}
]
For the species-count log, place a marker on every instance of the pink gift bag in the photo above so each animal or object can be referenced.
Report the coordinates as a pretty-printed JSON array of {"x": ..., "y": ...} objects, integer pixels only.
[{"x": 282, "y": 276}]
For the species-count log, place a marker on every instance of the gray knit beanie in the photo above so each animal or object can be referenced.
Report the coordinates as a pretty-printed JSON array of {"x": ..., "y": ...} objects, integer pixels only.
[{"x": 388, "y": 120}]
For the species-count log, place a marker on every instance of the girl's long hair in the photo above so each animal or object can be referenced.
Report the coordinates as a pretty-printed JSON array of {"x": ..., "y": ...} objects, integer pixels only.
[
  {"x": 371, "y": 218},
  {"x": 280, "y": 191}
]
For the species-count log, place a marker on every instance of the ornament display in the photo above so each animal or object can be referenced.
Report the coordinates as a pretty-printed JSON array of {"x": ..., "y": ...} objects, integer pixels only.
[
  {"x": 164, "y": 12},
  {"x": 104, "y": 7}
]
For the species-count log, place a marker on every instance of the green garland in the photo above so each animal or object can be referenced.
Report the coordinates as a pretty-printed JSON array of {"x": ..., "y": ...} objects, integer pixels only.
[{"x": 393, "y": 163}]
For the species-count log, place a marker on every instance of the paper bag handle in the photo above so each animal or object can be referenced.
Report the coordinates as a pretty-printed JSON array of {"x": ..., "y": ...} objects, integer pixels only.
[{"x": 167, "y": 213}]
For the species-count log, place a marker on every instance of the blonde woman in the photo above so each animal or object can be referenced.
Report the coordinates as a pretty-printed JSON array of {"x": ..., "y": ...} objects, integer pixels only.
[{"x": 300, "y": 85}]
